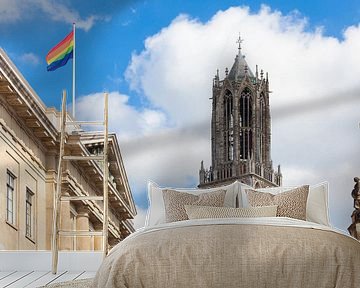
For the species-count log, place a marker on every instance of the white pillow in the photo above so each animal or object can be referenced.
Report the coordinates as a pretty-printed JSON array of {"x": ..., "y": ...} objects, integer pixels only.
[
  {"x": 156, "y": 210},
  {"x": 203, "y": 212},
  {"x": 317, "y": 206}
]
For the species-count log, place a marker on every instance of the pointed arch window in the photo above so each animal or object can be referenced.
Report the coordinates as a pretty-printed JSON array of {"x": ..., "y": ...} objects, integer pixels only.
[
  {"x": 262, "y": 112},
  {"x": 245, "y": 108},
  {"x": 229, "y": 126},
  {"x": 245, "y": 118}
]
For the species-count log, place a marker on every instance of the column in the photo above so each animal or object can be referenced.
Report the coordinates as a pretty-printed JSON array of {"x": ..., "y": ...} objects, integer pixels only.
[
  {"x": 98, "y": 239},
  {"x": 82, "y": 224},
  {"x": 50, "y": 188},
  {"x": 65, "y": 223}
]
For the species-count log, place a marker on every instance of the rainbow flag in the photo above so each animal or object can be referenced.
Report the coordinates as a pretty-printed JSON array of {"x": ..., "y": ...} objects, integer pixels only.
[{"x": 60, "y": 54}]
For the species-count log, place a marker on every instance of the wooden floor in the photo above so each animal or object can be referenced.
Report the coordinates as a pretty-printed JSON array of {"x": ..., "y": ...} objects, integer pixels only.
[
  {"x": 32, "y": 279},
  {"x": 33, "y": 268}
]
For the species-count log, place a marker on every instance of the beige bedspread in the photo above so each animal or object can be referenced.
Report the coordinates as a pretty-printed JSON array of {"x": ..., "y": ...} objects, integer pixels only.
[{"x": 233, "y": 255}]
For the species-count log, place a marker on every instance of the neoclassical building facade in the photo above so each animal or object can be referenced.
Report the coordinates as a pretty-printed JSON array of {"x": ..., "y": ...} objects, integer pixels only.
[
  {"x": 29, "y": 149},
  {"x": 240, "y": 129}
]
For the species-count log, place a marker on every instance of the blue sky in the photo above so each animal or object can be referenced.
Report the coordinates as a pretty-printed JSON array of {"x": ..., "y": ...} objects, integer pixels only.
[{"x": 158, "y": 67}]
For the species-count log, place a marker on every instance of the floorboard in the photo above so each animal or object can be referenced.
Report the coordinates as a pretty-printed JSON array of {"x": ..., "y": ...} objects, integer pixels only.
[
  {"x": 68, "y": 276},
  {"x": 46, "y": 279},
  {"x": 28, "y": 279},
  {"x": 31, "y": 269},
  {"x": 12, "y": 278},
  {"x": 87, "y": 275},
  {"x": 4, "y": 274}
]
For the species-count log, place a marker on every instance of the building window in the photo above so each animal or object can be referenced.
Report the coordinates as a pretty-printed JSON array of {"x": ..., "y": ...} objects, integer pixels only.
[
  {"x": 245, "y": 108},
  {"x": 29, "y": 213},
  {"x": 10, "y": 198},
  {"x": 229, "y": 126},
  {"x": 245, "y": 124}
]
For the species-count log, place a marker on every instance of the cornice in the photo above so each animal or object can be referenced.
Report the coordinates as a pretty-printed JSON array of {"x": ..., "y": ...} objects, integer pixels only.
[{"x": 27, "y": 95}]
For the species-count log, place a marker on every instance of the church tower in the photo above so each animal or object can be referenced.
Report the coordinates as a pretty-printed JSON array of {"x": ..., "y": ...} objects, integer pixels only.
[{"x": 240, "y": 129}]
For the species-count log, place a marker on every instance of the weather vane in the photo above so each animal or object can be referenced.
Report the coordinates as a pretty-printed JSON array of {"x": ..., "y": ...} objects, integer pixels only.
[{"x": 239, "y": 41}]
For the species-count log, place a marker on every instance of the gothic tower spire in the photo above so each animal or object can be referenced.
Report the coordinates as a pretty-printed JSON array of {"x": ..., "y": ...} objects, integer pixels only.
[{"x": 240, "y": 129}]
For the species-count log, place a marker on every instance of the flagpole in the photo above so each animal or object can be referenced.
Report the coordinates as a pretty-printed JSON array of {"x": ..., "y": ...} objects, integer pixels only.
[{"x": 73, "y": 80}]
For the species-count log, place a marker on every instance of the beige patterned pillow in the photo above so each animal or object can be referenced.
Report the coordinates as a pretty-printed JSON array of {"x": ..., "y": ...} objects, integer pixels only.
[
  {"x": 201, "y": 212},
  {"x": 174, "y": 202},
  {"x": 291, "y": 203}
]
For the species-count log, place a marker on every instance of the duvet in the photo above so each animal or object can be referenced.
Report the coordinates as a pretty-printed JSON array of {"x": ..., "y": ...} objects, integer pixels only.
[{"x": 237, "y": 252}]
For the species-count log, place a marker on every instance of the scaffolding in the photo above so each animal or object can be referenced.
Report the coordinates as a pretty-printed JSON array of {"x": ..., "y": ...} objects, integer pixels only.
[{"x": 58, "y": 197}]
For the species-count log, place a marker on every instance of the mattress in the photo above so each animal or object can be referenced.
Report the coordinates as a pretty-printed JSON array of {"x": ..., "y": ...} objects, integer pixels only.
[{"x": 234, "y": 252}]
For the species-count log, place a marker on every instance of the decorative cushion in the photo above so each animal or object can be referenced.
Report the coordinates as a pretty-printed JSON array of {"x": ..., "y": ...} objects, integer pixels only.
[
  {"x": 200, "y": 212},
  {"x": 174, "y": 202},
  {"x": 290, "y": 204},
  {"x": 156, "y": 210},
  {"x": 317, "y": 207}
]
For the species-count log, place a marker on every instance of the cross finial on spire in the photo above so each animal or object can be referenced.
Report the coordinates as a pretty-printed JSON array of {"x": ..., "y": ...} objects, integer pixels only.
[{"x": 239, "y": 41}]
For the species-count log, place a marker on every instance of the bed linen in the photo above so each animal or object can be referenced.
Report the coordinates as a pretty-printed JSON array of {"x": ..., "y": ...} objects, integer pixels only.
[{"x": 233, "y": 252}]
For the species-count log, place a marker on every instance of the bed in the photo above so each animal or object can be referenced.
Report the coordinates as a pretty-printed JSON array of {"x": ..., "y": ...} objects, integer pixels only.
[{"x": 234, "y": 251}]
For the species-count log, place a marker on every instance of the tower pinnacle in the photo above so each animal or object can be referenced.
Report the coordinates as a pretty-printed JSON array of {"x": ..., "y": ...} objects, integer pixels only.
[{"x": 240, "y": 68}]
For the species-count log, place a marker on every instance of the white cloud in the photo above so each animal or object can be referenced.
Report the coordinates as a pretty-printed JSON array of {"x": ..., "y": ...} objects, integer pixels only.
[
  {"x": 124, "y": 119},
  {"x": 30, "y": 58},
  {"x": 151, "y": 150},
  {"x": 314, "y": 79},
  {"x": 16, "y": 10},
  {"x": 126, "y": 23},
  {"x": 152, "y": 120},
  {"x": 169, "y": 158},
  {"x": 314, "y": 103},
  {"x": 9, "y": 11},
  {"x": 60, "y": 12},
  {"x": 278, "y": 43}
]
